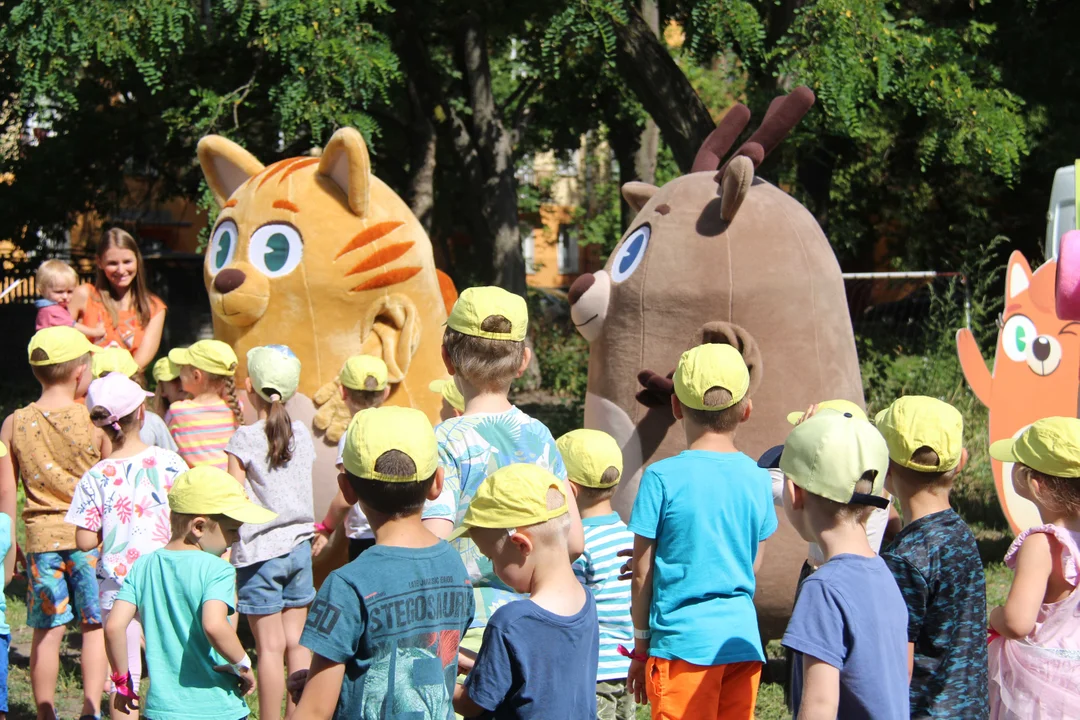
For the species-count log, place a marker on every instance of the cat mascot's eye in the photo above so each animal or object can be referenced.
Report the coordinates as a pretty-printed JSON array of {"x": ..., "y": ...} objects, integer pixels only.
[
  {"x": 630, "y": 254},
  {"x": 275, "y": 249},
  {"x": 1016, "y": 337},
  {"x": 222, "y": 247}
]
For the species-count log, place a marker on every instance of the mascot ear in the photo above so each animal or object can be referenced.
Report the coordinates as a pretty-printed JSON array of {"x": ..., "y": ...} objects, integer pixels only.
[
  {"x": 345, "y": 161},
  {"x": 226, "y": 166},
  {"x": 636, "y": 194},
  {"x": 1018, "y": 277},
  {"x": 738, "y": 176}
]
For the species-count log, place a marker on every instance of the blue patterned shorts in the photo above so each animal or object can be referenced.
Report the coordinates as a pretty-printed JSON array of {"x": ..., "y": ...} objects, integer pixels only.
[{"x": 62, "y": 584}]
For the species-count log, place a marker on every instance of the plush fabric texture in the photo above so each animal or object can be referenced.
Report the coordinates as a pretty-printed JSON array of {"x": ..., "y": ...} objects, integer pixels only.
[
  {"x": 1036, "y": 371},
  {"x": 769, "y": 274}
]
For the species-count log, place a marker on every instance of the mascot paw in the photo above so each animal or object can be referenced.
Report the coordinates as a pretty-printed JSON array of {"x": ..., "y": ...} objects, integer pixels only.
[
  {"x": 656, "y": 389},
  {"x": 332, "y": 416}
]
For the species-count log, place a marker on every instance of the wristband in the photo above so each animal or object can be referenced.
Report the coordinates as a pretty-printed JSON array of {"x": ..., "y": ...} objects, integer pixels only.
[
  {"x": 640, "y": 634},
  {"x": 320, "y": 527},
  {"x": 240, "y": 665},
  {"x": 123, "y": 686},
  {"x": 634, "y": 654}
]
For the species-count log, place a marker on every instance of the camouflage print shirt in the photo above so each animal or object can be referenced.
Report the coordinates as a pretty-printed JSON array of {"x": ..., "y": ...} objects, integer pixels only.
[{"x": 937, "y": 566}]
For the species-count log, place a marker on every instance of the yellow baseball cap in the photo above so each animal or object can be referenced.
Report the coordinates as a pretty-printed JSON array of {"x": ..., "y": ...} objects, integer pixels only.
[
  {"x": 829, "y": 453},
  {"x": 59, "y": 344},
  {"x": 916, "y": 421},
  {"x": 165, "y": 370},
  {"x": 515, "y": 496},
  {"x": 207, "y": 490},
  {"x": 1050, "y": 446},
  {"x": 273, "y": 369},
  {"x": 3, "y": 450},
  {"x": 212, "y": 356},
  {"x": 844, "y": 407},
  {"x": 450, "y": 392},
  {"x": 359, "y": 369},
  {"x": 477, "y": 304},
  {"x": 704, "y": 367},
  {"x": 113, "y": 359},
  {"x": 587, "y": 454},
  {"x": 376, "y": 431}
]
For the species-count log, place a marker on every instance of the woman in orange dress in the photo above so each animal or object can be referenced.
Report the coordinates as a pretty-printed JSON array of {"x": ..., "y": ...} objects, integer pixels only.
[{"x": 133, "y": 317}]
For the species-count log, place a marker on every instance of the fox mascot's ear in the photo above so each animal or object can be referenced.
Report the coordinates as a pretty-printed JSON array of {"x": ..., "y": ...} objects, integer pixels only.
[
  {"x": 1018, "y": 277},
  {"x": 345, "y": 161},
  {"x": 226, "y": 166}
]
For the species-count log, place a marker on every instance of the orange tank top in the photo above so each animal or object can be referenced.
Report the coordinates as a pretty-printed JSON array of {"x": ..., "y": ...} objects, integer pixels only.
[
  {"x": 54, "y": 449},
  {"x": 127, "y": 332}
]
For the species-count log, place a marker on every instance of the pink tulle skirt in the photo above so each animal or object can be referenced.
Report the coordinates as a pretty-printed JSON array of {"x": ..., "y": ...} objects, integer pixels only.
[{"x": 1031, "y": 683}]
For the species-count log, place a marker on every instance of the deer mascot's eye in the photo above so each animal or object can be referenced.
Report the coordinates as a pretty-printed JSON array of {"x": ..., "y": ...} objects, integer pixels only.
[
  {"x": 630, "y": 254},
  {"x": 222, "y": 247},
  {"x": 275, "y": 249},
  {"x": 1016, "y": 337}
]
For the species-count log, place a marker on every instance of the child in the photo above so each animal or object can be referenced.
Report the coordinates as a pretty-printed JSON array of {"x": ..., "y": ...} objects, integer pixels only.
[
  {"x": 539, "y": 656},
  {"x": 848, "y": 628},
  {"x": 203, "y": 425},
  {"x": 1033, "y": 670},
  {"x": 7, "y": 548},
  {"x": 594, "y": 466},
  {"x": 123, "y": 498},
  {"x": 453, "y": 405},
  {"x": 52, "y": 444},
  {"x": 935, "y": 561},
  {"x": 168, "y": 388},
  {"x": 273, "y": 458},
  {"x": 184, "y": 594},
  {"x": 364, "y": 385},
  {"x": 484, "y": 350},
  {"x": 385, "y": 627},
  {"x": 55, "y": 282},
  {"x": 154, "y": 431},
  {"x": 700, "y": 518}
]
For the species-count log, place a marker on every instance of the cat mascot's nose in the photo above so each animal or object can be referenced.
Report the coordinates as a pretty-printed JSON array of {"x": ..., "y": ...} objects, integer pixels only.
[{"x": 228, "y": 280}]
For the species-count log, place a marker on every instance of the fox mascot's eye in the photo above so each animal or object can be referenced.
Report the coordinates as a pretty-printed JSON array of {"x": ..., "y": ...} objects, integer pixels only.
[
  {"x": 1016, "y": 337},
  {"x": 630, "y": 254},
  {"x": 275, "y": 249},
  {"x": 222, "y": 247}
]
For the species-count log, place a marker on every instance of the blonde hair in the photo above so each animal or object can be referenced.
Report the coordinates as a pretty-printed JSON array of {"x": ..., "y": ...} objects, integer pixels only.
[
  {"x": 50, "y": 272},
  {"x": 59, "y": 372},
  {"x": 484, "y": 363},
  {"x": 225, "y": 385}
]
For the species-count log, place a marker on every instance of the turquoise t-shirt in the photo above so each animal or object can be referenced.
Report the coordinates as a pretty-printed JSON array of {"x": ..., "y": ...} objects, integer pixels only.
[
  {"x": 5, "y": 545},
  {"x": 707, "y": 512},
  {"x": 169, "y": 587},
  {"x": 471, "y": 447}
]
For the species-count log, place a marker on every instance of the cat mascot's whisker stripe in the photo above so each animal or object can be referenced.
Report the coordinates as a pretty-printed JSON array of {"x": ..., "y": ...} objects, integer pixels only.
[
  {"x": 381, "y": 257},
  {"x": 369, "y": 235},
  {"x": 385, "y": 279}
]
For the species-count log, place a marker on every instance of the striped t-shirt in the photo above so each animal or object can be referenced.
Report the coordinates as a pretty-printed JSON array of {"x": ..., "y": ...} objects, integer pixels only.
[
  {"x": 598, "y": 570},
  {"x": 201, "y": 430}
]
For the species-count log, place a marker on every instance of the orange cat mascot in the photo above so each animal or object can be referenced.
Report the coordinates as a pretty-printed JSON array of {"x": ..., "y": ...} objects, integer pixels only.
[
  {"x": 1036, "y": 370},
  {"x": 318, "y": 254}
]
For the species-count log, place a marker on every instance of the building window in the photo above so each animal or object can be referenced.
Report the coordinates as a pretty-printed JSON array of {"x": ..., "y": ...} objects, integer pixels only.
[
  {"x": 568, "y": 251},
  {"x": 528, "y": 243}
]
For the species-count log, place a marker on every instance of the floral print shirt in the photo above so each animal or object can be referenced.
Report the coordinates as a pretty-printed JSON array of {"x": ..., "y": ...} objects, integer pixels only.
[{"x": 125, "y": 499}]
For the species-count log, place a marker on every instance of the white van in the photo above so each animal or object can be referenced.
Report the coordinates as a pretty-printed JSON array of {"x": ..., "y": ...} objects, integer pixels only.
[{"x": 1061, "y": 217}]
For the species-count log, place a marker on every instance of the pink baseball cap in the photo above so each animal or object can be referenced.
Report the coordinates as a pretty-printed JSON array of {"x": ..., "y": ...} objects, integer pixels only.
[{"x": 118, "y": 394}]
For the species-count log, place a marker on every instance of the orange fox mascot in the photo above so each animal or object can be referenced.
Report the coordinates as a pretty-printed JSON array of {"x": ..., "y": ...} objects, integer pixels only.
[{"x": 1036, "y": 370}]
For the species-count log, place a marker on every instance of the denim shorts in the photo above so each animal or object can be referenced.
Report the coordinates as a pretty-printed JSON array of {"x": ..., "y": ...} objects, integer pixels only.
[
  {"x": 5, "y": 641},
  {"x": 270, "y": 586}
]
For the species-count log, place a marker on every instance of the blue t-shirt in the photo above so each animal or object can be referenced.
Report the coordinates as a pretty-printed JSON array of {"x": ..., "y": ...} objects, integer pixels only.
[
  {"x": 536, "y": 664},
  {"x": 707, "y": 512},
  {"x": 850, "y": 614},
  {"x": 394, "y": 617},
  {"x": 169, "y": 588},
  {"x": 471, "y": 447},
  {"x": 5, "y": 545}
]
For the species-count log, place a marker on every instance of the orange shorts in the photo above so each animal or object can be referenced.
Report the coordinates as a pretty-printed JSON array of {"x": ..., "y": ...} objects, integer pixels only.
[{"x": 678, "y": 689}]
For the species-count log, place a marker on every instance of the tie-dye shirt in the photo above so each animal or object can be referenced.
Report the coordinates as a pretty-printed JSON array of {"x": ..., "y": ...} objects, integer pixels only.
[
  {"x": 937, "y": 566},
  {"x": 471, "y": 447},
  {"x": 202, "y": 431}
]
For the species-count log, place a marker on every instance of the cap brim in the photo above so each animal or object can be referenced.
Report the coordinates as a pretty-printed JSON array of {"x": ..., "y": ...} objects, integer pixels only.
[
  {"x": 3, "y": 450},
  {"x": 771, "y": 458},
  {"x": 249, "y": 512},
  {"x": 1003, "y": 450},
  {"x": 795, "y": 417},
  {"x": 461, "y": 531}
]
